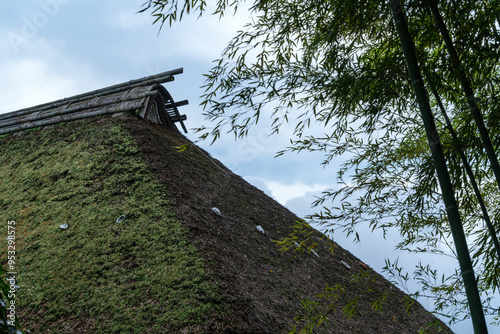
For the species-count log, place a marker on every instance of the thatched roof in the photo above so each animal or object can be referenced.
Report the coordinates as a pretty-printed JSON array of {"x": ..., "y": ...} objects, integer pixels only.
[
  {"x": 175, "y": 265},
  {"x": 144, "y": 96}
]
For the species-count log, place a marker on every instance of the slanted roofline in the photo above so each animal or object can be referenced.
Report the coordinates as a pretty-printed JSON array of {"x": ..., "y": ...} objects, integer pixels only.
[{"x": 146, "y": 96}]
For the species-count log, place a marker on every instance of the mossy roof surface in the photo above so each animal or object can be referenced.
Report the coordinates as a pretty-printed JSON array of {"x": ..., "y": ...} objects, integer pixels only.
[
  {"x": 173, "y": 265},
  {"x": 97, "y": 276}
]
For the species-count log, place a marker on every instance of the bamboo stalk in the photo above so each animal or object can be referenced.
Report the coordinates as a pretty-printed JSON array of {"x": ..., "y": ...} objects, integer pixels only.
[
  {"x": 468, "y": 170},
  {"x": 475, "y": 306},
  {"x": 469, "y": 93},
  {"x": 146, "y": 81}
]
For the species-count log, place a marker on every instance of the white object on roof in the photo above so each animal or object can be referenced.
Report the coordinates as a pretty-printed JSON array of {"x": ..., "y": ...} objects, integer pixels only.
[
  {"x": 121, "y": 219},
  {"x": 312, "y": 250},
  {"x": 345, "y": 264},
  {"x": 216, "y": 211},
  {"x": 260, "y": 229}
]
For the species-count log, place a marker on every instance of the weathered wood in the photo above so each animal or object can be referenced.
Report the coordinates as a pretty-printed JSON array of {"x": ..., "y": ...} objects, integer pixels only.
[
  {"x": 67, "y": 118},
  {"x": 36, "y": 116},
  {"x": 146, "y": 96},
  {"x": 177, "y": 104},
  {"x": 146, "y": 81}
]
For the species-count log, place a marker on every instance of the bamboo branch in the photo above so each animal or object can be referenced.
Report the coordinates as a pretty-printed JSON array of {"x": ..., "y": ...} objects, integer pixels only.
[
  {"x": 468, "y": 169},
  {"x": 469, "y": 93}
]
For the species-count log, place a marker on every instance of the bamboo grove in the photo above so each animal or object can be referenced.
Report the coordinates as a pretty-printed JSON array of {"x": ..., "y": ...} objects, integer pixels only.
[{"x": 339, "y": 65}]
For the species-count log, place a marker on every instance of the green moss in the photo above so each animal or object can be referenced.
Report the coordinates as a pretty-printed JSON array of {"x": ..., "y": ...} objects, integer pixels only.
[{"x": 132, "y": 277}]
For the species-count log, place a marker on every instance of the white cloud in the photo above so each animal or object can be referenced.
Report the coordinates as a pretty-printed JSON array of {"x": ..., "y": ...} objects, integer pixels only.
[
  {"x": 204, "y": 37},
  {"x": 286, "y": 192},
  {"x": 31, "y": 82},
  {"x": 34, "y": 79},
  {"x": 130, "y": 20}
]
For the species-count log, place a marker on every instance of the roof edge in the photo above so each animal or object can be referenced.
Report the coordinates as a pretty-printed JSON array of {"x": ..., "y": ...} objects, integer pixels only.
[{"x": 146, "y": 96}]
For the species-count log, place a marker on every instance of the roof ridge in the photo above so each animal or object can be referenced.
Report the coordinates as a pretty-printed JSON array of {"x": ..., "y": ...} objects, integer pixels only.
[{"x": 146, "y": 95}]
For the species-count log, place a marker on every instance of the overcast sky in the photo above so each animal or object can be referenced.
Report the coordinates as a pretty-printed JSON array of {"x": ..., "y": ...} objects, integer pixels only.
[{"x": 52, "y": 49}]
